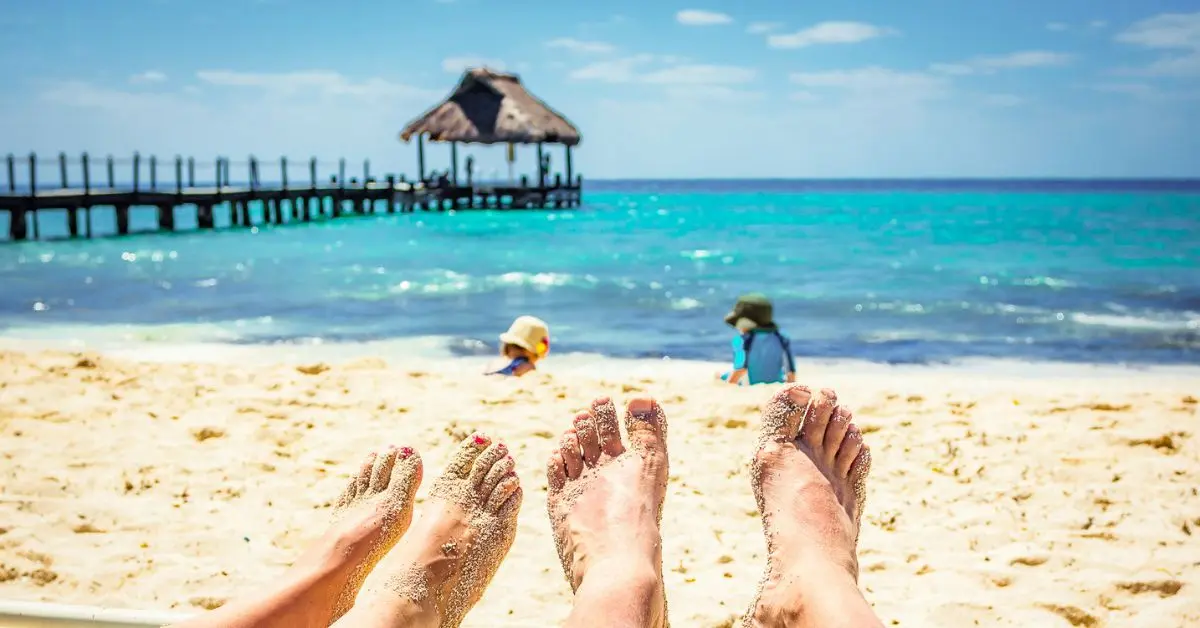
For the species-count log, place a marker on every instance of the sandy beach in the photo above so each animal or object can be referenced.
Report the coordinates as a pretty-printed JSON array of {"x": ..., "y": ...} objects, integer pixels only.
[{"x": 1022, "y": 496}]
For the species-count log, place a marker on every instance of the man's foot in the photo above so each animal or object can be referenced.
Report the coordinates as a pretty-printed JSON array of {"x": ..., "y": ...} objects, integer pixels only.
[
  {"x": 452, "y": 551},
  {"x": 809, "y": 477},
  {"x": 605, "y": 506},
  {"x": 369, "y": 518}
]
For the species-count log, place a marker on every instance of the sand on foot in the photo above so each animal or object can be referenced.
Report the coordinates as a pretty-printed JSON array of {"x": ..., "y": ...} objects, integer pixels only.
[{"x": 450, "y": 554}]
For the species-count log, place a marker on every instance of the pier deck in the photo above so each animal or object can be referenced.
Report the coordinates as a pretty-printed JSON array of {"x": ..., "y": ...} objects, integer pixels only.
[{"x": 281, "y": 203}]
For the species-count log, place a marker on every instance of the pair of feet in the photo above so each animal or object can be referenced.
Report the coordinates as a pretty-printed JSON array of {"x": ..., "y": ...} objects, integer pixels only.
[
  {"x": 605, "y": 505},
  {"x": 359, "y": 574},
  {"x": 809, "y": 473}
]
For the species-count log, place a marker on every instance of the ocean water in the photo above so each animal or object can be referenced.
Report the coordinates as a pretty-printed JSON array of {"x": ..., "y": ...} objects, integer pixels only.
[{"x": 887, "y": 271}]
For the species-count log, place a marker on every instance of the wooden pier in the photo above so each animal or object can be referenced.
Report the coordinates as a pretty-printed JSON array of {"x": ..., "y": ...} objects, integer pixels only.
[
  {"x": 29, "y": 202},
  {"x": 486, "y": 107}
]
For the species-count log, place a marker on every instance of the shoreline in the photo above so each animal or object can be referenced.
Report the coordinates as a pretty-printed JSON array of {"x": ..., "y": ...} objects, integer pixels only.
[{"x": 430, "y": 353}]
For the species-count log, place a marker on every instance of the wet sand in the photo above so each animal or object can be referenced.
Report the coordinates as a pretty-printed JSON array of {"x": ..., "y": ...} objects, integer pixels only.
[{"x": 997, "y": 497}]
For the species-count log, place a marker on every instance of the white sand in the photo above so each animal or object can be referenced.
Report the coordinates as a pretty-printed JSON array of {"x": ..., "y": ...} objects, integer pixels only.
[{"x": 1023, "y": 496}]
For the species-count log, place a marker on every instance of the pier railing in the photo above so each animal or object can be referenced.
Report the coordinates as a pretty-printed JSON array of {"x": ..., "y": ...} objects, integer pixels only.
[{"x": 32, "y": 186}]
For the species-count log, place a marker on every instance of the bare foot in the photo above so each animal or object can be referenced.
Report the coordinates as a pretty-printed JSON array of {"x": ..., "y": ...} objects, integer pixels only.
[
  {"x": 453, "y": 549},
  {"x": 369, "y": 518},
  {"x": 809, "y": 477},
  {"x": 605, "y": 506}
]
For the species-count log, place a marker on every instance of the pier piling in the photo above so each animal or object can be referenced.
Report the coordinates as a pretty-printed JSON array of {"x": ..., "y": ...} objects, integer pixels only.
[{"x": 281, "y": 201}]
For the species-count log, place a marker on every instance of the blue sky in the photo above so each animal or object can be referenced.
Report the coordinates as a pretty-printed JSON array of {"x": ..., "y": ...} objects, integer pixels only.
[{"x": 672, "y": 88}]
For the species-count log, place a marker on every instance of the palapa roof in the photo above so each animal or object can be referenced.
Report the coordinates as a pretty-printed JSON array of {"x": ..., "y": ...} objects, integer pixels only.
[{"x": 490, "y": 107}]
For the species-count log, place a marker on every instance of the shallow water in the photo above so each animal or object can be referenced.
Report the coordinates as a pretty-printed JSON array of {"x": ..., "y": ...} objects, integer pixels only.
[{"x": 883, "y": 271}]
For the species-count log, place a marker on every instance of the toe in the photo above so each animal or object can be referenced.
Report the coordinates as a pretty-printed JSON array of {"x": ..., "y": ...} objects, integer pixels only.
[
  {"x": 484, "y": 463},
  {"x": 362, "y": 482},
  {"x": 406, "y": 475},
  {"x": 858, "y": 478},
  {"x": 816, "y": 419},
  {"x": 556, "y": 472},
  {"x": 503, "y": 468},
  {"x": 572, "y": 459},
  {"x": 604, "y": 416},
  {"x": 381, "y": 471},
  {"x": 782, "y": 417},
  {"x": 835, "y": 432},
  {"x": 589, "y": 438},
  {"x": 848, "y": 452},
  {"x": 508, "y": 488},
  {"x": 647, "y": 426},
  {"x": 464, "y": 457}
]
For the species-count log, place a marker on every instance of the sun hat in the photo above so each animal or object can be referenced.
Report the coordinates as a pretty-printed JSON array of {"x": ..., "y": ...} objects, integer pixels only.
[
  {"x": 751, "y": 311},
  {"x": 530, "y": 333}
]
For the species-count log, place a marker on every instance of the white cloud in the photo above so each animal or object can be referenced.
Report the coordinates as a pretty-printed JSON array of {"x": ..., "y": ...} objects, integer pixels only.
[
  {"x": 1169, "y": 31},
  {"x": 989, "y": 64},
  {"x": 1094, "y": 25},
  {"x": 458, "y": 65},
  {"x": 713, "y": 93},
  {"x": 762, "y": 28},
  {"x": 874, "y": 83},
  {"x": 700, "y": 74},
  {"x": 671, "y": 71},
  {"x": 318, "y": 82},
  {"x": 149, "y": 76},
  {"x": 700, "y": 17},
  {"x": 581, "y": 46},
  {"x": 621, "y": 70},
  {"x": 828, "y": 33}
]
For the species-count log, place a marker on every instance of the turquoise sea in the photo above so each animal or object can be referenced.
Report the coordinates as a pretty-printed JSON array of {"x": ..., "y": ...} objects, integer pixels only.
[{"x": 890, "y": 271}]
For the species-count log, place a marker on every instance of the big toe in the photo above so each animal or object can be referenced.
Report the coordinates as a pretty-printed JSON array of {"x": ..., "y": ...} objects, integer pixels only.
[
  {"x": 462, "y": 461},
  {"x": 784, "y": 414},
  {"x": 404, "y": 477},
  {"x": 647, "y": 426}
]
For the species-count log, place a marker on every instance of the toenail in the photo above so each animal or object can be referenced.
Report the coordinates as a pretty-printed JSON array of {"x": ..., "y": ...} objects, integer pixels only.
[
  {"x": 502, "y": 448},
  {"x": 480, "y": 440},
  {"x": 406, "y": 451}
]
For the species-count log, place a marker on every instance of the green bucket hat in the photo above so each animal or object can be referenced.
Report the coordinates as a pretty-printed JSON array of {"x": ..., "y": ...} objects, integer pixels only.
[{"x": 751, "y": 311}]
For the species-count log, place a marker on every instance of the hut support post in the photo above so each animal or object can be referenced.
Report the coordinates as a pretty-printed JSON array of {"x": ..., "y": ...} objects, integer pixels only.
[
  {"x": 12, "y": 173},
  {"x": 541, "y": 166},
  {"x": 454, "y": 162},
  {"x": 569, "y": 175},
  {"x": 420, "y": 157}
]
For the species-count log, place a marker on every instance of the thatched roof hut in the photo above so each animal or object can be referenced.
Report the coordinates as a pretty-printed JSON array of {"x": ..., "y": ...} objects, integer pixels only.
[{"x": 490, "y": 107}]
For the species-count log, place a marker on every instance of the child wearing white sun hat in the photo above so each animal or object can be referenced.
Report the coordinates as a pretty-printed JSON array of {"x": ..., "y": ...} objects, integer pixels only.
[{"x": 526, "y": 341}]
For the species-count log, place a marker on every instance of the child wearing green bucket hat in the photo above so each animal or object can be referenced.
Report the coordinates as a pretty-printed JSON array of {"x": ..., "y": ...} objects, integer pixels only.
[{"x": 761, "y": 353}]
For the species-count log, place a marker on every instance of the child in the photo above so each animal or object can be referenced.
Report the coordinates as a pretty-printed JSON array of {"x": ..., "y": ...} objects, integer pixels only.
[
  {"x": 525, "y": 342},
  {"x": 761, "y": 353}
]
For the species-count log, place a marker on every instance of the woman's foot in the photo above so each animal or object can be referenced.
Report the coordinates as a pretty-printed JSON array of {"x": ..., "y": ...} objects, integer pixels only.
[
  {"x": 809, "y": 477},
  {"x": 453, "y": 549},
  {"x": 369, "y": 518},
  {"x": 605, "y": 506}
]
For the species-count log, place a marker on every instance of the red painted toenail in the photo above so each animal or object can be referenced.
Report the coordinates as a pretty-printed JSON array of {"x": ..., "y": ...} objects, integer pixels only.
[
  {"x": 502, "y": 447},
  {"x": 406, "y": 451},
  {"x": 479, "y": 440}
]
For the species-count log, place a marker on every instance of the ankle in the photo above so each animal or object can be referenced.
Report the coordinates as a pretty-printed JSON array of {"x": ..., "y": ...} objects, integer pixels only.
[
  {"x": 387, "y": 608},
  {"x": 636, "y": 570},
  {"x": 804, "y": 591}
]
